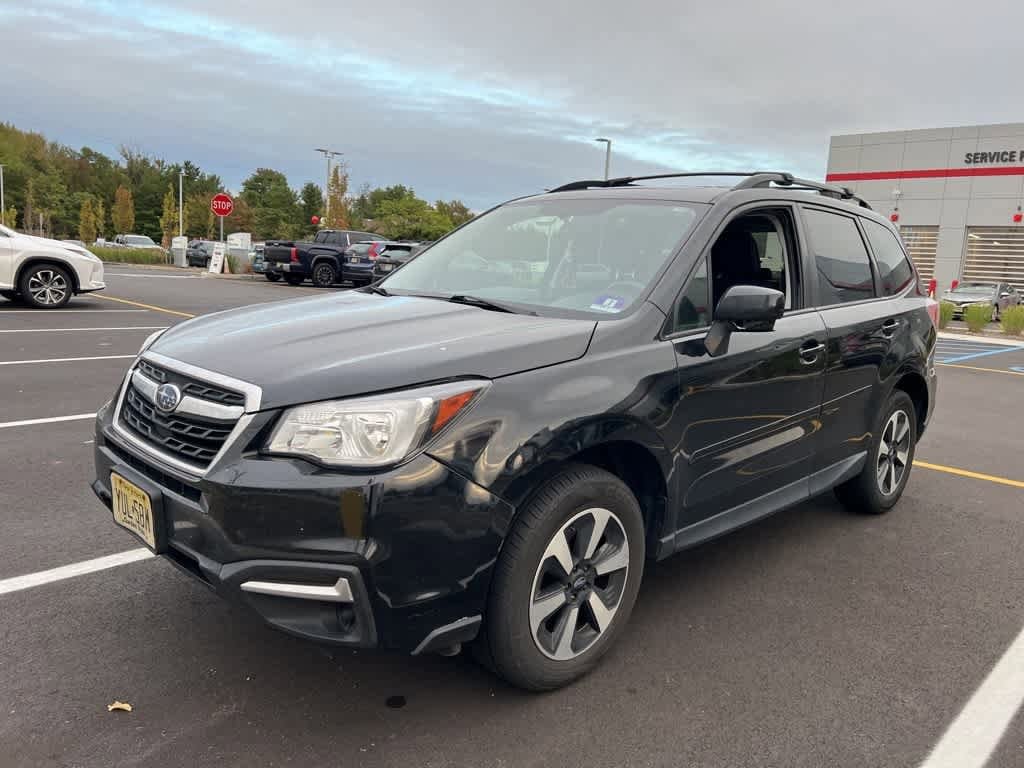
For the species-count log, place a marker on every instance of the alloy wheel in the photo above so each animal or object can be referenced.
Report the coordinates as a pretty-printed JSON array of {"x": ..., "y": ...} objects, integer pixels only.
[
  {"x": 893, "y": 453},
  {"x": 579, "y": 583},
  {"x": 48, "y": 287}
]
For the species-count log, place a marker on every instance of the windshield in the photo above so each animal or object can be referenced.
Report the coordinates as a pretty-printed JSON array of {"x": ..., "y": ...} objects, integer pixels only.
[
  {"x": 589, "y": 255},
  {"x": 139, "y": 240},
  {"x": 974, "y": 288}
]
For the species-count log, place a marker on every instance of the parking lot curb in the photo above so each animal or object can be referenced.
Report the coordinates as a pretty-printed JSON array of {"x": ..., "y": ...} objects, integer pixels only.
[{"x": 229, "y": 276}]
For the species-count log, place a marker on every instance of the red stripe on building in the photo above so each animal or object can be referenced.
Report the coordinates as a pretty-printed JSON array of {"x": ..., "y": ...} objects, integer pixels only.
[{"x": 927, "y": 173}]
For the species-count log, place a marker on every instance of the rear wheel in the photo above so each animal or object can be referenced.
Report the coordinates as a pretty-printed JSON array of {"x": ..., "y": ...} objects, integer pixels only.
[
  {"x": 995, "y": 313},
  {"x": 566, "y": 580},
  {"x": 325, "y": 274},
  {"x": 273, "y": 276},
  {"x": 46, "y": 286},
  {"x": 293, "y": 279},
  {"x": 880, "y": 484}
]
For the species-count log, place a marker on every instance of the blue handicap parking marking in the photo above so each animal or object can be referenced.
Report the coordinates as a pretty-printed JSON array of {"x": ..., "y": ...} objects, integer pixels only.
[
  {"x": 957, "y": 351},
  {"x": 984, "y": 353}
]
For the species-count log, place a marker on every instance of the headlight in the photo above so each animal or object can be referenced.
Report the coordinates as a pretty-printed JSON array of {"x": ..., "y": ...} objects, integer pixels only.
[
  {"x": 372, "y": 431},
  {"x": 150, "y": 339}
]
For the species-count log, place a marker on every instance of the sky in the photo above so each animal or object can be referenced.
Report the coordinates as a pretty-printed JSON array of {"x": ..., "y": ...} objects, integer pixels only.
[{"x": 483, "y": 101}]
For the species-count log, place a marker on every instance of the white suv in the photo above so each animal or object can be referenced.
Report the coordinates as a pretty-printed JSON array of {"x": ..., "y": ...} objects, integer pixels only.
[{"x": 45, "y": 273}]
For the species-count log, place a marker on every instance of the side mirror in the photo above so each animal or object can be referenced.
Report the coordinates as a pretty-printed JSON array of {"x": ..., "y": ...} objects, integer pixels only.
[{"x": 744, "y": 308}]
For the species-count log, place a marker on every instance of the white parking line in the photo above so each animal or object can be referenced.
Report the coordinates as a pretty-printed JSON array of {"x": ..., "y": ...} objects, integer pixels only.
[
  {"x": 51, "y": 420},
  {"x": 65, "y": 330},
  {"x": 65, "y": 311},
  {"x": 972, "y": 738},
  {"x": 64, "y": 359},
  {"x": 159, "y": 277},
  {"x": 19, "y": 583}
]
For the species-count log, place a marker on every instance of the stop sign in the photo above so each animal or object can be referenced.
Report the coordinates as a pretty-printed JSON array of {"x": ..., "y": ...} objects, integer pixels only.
[{"x": 222, "y": 205}]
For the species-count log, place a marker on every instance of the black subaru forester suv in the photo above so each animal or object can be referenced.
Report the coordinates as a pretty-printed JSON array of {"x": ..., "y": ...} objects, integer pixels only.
[{"x": 486, "y": 446}]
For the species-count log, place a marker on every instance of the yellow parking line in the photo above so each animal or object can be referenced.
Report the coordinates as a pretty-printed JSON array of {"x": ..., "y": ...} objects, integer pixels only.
[
  {"x": 977, "y": 368},
  {"x": 144, "y": 306},
  {"x": 968, "y": 473}
]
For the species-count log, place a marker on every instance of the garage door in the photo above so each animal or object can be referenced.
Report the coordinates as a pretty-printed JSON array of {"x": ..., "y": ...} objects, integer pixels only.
[
  {"x": 994, "y": 255},
  {"x": 921, "y": 243}
]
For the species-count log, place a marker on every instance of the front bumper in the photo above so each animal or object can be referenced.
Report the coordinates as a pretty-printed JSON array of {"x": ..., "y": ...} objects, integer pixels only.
[{"x": 413, "y": 548}]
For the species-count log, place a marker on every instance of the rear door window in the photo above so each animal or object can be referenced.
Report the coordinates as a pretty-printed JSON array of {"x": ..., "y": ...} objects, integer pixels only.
[
  {"x": 894, "y": 270},
  {"x": 840, "y": 257}
]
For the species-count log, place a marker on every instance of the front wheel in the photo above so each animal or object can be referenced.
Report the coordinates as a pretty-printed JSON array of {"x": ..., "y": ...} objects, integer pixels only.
[
  {"x": 995, "y": 313},
  {"x": 46, "y": 286},
  {"x": 324, "y": 274},
  {"x": 890, "y": 456},
  {"x": 272, "y": 276},
  {"x": 293, "y": 279},
  {"x": 566, "y": 580}
]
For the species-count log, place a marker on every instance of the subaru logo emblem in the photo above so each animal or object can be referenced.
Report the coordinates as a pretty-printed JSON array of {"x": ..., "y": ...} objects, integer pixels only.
[{"x": 167, "y": 397}]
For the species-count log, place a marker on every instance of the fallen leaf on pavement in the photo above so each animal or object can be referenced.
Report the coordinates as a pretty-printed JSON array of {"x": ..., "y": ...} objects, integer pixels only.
[{"x": 120, "y": 706}]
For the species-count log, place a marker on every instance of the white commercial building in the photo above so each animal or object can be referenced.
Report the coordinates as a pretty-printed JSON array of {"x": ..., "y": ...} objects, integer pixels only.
[{"x": 955, "y": 193}]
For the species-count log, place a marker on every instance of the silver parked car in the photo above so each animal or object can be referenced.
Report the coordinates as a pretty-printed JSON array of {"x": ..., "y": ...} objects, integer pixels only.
[{"x": 999, "y": 296}]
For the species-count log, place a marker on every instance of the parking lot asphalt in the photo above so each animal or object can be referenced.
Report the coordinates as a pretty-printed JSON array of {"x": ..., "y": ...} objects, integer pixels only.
[{"x": 814, "y": 638}]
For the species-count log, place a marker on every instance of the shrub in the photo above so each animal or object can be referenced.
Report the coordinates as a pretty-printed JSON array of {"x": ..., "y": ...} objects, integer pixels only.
[
  {"x": 977, "y": 316},
  {"x": 131, "y": 255},
  {"x": 946, "y": 310},
  {"x": 1012, "y": 320}
]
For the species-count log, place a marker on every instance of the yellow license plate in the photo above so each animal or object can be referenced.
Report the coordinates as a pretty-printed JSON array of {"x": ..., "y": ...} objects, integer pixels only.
[{"x": 133, "y": 509}]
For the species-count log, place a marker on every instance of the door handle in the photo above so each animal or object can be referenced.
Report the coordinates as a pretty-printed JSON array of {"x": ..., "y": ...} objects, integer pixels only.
[
  {"x": 809, "y": 355},
  {"x": 889, "y": 328}
]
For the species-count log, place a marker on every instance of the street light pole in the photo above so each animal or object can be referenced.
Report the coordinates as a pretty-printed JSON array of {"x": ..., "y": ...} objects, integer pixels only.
[
  {"x": 607, "y": 155},
  {"x": 181, "y": 203},
  {"x": 328, "y": 154}
]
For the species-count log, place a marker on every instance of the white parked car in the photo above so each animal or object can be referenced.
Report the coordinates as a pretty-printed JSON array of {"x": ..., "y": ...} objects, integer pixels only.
[
  {"x": 45, "y": 273},
  {"x": 136, "y": 241}
]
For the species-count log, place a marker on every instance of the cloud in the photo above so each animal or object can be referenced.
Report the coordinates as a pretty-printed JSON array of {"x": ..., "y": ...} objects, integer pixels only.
[{"x": 466, "y": 99}]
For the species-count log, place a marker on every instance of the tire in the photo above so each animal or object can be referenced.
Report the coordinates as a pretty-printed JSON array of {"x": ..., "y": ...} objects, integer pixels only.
[
  {"x": 46, "y": 286},
  {"x": 526, "y": 644},
  {"x": 875, "y": 490},
  {"x": 293, "y": 279},
  {"x": 995, "y": 313},
  {"x": 324, "y": 274},
  {"x": 272, "y": 276}
]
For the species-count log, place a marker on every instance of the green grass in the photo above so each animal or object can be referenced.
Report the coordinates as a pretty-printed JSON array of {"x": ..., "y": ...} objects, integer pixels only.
[
  {"x": 977, "y": 316},
  {"x": 946, "y": 309},
  {"x": 130, "y": 255},
  {"x": 1012, "y": 320}
]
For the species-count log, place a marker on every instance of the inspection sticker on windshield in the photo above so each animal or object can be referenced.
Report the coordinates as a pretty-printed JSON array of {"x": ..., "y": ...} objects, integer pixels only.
[{"x": 608, "y": 304}]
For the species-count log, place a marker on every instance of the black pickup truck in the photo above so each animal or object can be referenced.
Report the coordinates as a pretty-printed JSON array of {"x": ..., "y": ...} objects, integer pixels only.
[{"x": 319, "y": 260}]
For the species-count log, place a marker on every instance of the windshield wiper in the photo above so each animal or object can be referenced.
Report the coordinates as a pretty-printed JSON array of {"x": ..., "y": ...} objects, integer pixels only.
[
  {"x": 493, "y": 306},
  {"x": 376, "y": 289}
]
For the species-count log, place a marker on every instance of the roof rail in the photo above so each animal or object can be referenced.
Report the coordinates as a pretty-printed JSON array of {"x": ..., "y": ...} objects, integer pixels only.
[
  {"x": 751, "y": 180},
  {"x": 766, "y": 179}
]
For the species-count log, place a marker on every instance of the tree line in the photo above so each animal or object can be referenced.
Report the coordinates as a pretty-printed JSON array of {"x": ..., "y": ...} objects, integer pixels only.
[{"x": 56, "y": 191}]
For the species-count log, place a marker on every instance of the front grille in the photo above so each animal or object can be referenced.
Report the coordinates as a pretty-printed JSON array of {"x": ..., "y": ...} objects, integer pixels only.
[
  {"x": 195, "y": 440},
  {"x": 190, "y": 386}
]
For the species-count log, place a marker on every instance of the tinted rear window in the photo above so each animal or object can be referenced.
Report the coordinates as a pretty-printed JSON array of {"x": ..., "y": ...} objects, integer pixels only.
[
  {"x": 894, "y": 270},
  {"x": 844, "y": 269}
]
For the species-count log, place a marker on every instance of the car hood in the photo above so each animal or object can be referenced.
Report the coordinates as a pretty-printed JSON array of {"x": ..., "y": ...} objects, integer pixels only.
[
  {"x": 961, "y": 298},
  {"x": 351, "y": 343},
  {"x": 54, "y": 245}
]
